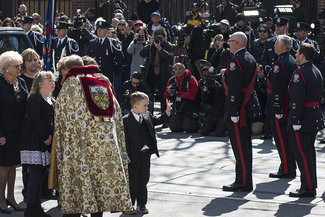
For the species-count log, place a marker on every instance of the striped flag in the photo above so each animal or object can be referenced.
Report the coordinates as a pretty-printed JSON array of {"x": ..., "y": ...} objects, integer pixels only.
[{"x": 48, "y": 34}]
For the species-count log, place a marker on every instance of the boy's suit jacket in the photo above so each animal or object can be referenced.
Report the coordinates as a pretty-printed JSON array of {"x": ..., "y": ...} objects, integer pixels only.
[{"x": 133, "y": 133}]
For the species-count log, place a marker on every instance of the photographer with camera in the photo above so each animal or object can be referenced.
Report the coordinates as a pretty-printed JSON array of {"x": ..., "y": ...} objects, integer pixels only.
[
  {"x": 80, "y": 34},
  {"x": 196, "y": 48},
  {"x": 181, "y": 90},
  {"x": 213, "y": 93},
  {"x": 156, "y": 69},
  {"x": 221, "y": 57},
  {"x": 131, "y": 86},
  {"x": 136, "y": 45}
]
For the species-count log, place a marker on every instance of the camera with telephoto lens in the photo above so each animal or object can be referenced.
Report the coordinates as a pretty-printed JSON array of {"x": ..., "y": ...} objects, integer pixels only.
[
  {"x": 157, "y": 39},
  {"x": 211, "y": 78},
  {"x": 181, "y": 30},
  {"x": 174, "y": 89},
  {"x": 77, "y": 21}
]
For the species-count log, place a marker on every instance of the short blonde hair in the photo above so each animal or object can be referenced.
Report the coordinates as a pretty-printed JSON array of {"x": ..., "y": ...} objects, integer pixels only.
[
  {"x": 8, "y": 57},
  {"x": 136, "y": 97},
  {"x": 36, "y": 28}
]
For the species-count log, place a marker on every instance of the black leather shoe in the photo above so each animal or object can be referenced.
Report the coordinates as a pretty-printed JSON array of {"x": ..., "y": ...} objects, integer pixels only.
[
  {"x": 5, "y": 211},
  {"x": 165, "y": 125},
  {"x": 18, "y": 209},
  {"x": 266, "y": 136},
  {"x": 303, "y": 193},
  {"x": 237, "y": 187},
  {"x": 142, "y": 210},
  {"x": 282, "y": 175},
  {"x": 322, "y": 141}
]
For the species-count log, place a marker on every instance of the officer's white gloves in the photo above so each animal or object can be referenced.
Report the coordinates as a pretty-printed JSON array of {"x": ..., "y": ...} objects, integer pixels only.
[
  {"x": 234, "y": 119},
  {"x": 279, "y": 116},
  {"x": 296, "y": 127}
]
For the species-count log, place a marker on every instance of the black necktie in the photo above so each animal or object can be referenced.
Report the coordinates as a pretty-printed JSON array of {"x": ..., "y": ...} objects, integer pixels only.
[
  {"x": 59, "y": 43},
  {"x": 100, "y": 41},
  {"x": 140, "y": 119}
]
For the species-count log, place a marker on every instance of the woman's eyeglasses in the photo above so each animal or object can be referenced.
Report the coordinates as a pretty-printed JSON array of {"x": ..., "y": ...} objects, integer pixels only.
[
  {"x": 121, "y": 24},
  {"x": 16, "y": 66}
]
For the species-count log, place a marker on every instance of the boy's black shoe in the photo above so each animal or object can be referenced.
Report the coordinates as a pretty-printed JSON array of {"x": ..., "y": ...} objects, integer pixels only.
[
  {"x": 142, "y": 210},
  {"x": 132, "y": 212}
]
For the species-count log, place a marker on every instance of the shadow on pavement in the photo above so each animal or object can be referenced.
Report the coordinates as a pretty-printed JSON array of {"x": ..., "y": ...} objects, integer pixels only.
[
  {"x": 221, "y": 206},
  {"x": 287, "y": 209},
  {"x": 262, "y": 189}
]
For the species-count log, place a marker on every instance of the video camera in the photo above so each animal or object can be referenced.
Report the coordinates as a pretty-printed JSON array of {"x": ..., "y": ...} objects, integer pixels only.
[
  {"x": 77, "y": 21},
  {"x": 181, "y": 31},
  {"x": 211, "y": 78},
  {"x": 174, "y": 89}
]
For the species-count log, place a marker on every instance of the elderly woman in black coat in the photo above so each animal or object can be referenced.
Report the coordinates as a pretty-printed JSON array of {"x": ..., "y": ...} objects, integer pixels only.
[{"x": 13, "y": 96}]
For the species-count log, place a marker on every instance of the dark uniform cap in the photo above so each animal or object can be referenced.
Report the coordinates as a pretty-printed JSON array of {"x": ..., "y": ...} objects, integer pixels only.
[
  {"x": 103, "y": 24},
  {"x": 63, "y": 25},
  {"x": 302, "y": 26},
  {"x": 26, "y": 20},
  {"x": 281, "y": 21},
  {"x": 239, "y": 17}
]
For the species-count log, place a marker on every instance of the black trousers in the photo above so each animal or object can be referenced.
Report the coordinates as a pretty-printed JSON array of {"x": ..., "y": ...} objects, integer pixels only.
[
  {"x": 34, "y": 186},
  {"x": 241, "y": 143},
  {"x": 281, "y": 138},
  {"x": 139, "y": 174},
  {"x": 179, "y": 123},
  {"x": 98, "y": 214},
  {"x": 303, "y": 148},
  {"x": 153, "y": 82},
  {"x": 212, "y": 124}
]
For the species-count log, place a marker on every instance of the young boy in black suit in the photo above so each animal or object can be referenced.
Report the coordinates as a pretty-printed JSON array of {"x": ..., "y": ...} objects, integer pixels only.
[{"x": 141, "y": 143}]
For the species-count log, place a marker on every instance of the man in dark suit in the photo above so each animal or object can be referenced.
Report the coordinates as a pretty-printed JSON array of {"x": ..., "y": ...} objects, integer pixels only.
[
  {"x": 106, "y": 51},
  {"x": 305, "y": 118},
  {"x": 35, "y": 37},
  {"x": 156, "y": 70},
  {"x": 141, "y": 143},
  {"x": 240, "y": 109},
  {"x": 62, "y": 45}
]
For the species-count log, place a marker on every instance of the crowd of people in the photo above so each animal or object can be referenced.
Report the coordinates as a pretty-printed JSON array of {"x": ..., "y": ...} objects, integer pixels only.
[{"x": 107, "y": 72}]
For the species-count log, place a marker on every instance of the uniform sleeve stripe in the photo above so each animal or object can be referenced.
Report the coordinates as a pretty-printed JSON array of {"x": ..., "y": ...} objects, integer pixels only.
[
  {"x": 238, "y": 64},
  {"x": 285, "y": 72},
  {"x": 303, "y": 78}
]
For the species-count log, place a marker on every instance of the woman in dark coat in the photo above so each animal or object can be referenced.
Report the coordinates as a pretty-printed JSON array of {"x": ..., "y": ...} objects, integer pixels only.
[{"x": 13, "y": 96}]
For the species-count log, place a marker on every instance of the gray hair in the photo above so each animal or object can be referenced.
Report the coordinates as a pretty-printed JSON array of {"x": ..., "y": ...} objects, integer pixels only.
[
  {"x": 8, "y": 57},
  {"x": 179, "y": 64},
  {"x": 285, "y": 41}
]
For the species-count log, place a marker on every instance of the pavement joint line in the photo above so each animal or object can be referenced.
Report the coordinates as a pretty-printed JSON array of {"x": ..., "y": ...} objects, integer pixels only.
[{"x": 245, "y": 199}]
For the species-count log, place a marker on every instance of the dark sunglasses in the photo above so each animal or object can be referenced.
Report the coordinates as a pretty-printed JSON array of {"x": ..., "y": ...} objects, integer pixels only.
[
  {"x": 113, "y": 32},
  {"x": 264, "y": 31},
  {"x": 204, "y": 18},
  {"x": 121, "y": 24},
  {"x": 138, "y": 24}
]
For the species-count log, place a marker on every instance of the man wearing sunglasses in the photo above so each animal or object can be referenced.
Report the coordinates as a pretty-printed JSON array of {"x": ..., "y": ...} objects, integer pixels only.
[{"x": 258, "y": 45}]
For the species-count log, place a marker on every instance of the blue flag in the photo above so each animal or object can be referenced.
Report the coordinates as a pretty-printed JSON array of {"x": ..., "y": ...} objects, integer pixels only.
[{"x": 48, "y": 35}]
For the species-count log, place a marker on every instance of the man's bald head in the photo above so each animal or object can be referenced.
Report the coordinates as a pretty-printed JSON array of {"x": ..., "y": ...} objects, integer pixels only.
[
  {"x": 240, "y": 37},
  {"x": 237, "y": 41}
]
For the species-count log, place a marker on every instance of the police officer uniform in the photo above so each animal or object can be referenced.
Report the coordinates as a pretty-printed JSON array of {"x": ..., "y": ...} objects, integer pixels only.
[
  {"x": 277, "y": 103},
  {"x": 63, "y": 47},
  {"x": 305, "y": 26},
  {"x": 106, "y": 51},
  {"x": 35, "y": 37},
  {"x": 269, "y": 56},
  {"x": 241, "y": 100},
  {"x": 305, "y": 96}
]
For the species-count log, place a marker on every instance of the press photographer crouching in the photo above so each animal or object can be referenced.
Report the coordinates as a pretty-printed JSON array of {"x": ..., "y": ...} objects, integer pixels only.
[
  {"x": 181, "y": 90},
  {"x": 213, "y": 94},
  {"x": 131, "y": 86}
]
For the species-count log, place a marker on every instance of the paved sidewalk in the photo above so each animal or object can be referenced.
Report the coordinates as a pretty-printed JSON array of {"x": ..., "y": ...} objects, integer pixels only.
[{"x": 187, "y": 180}]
